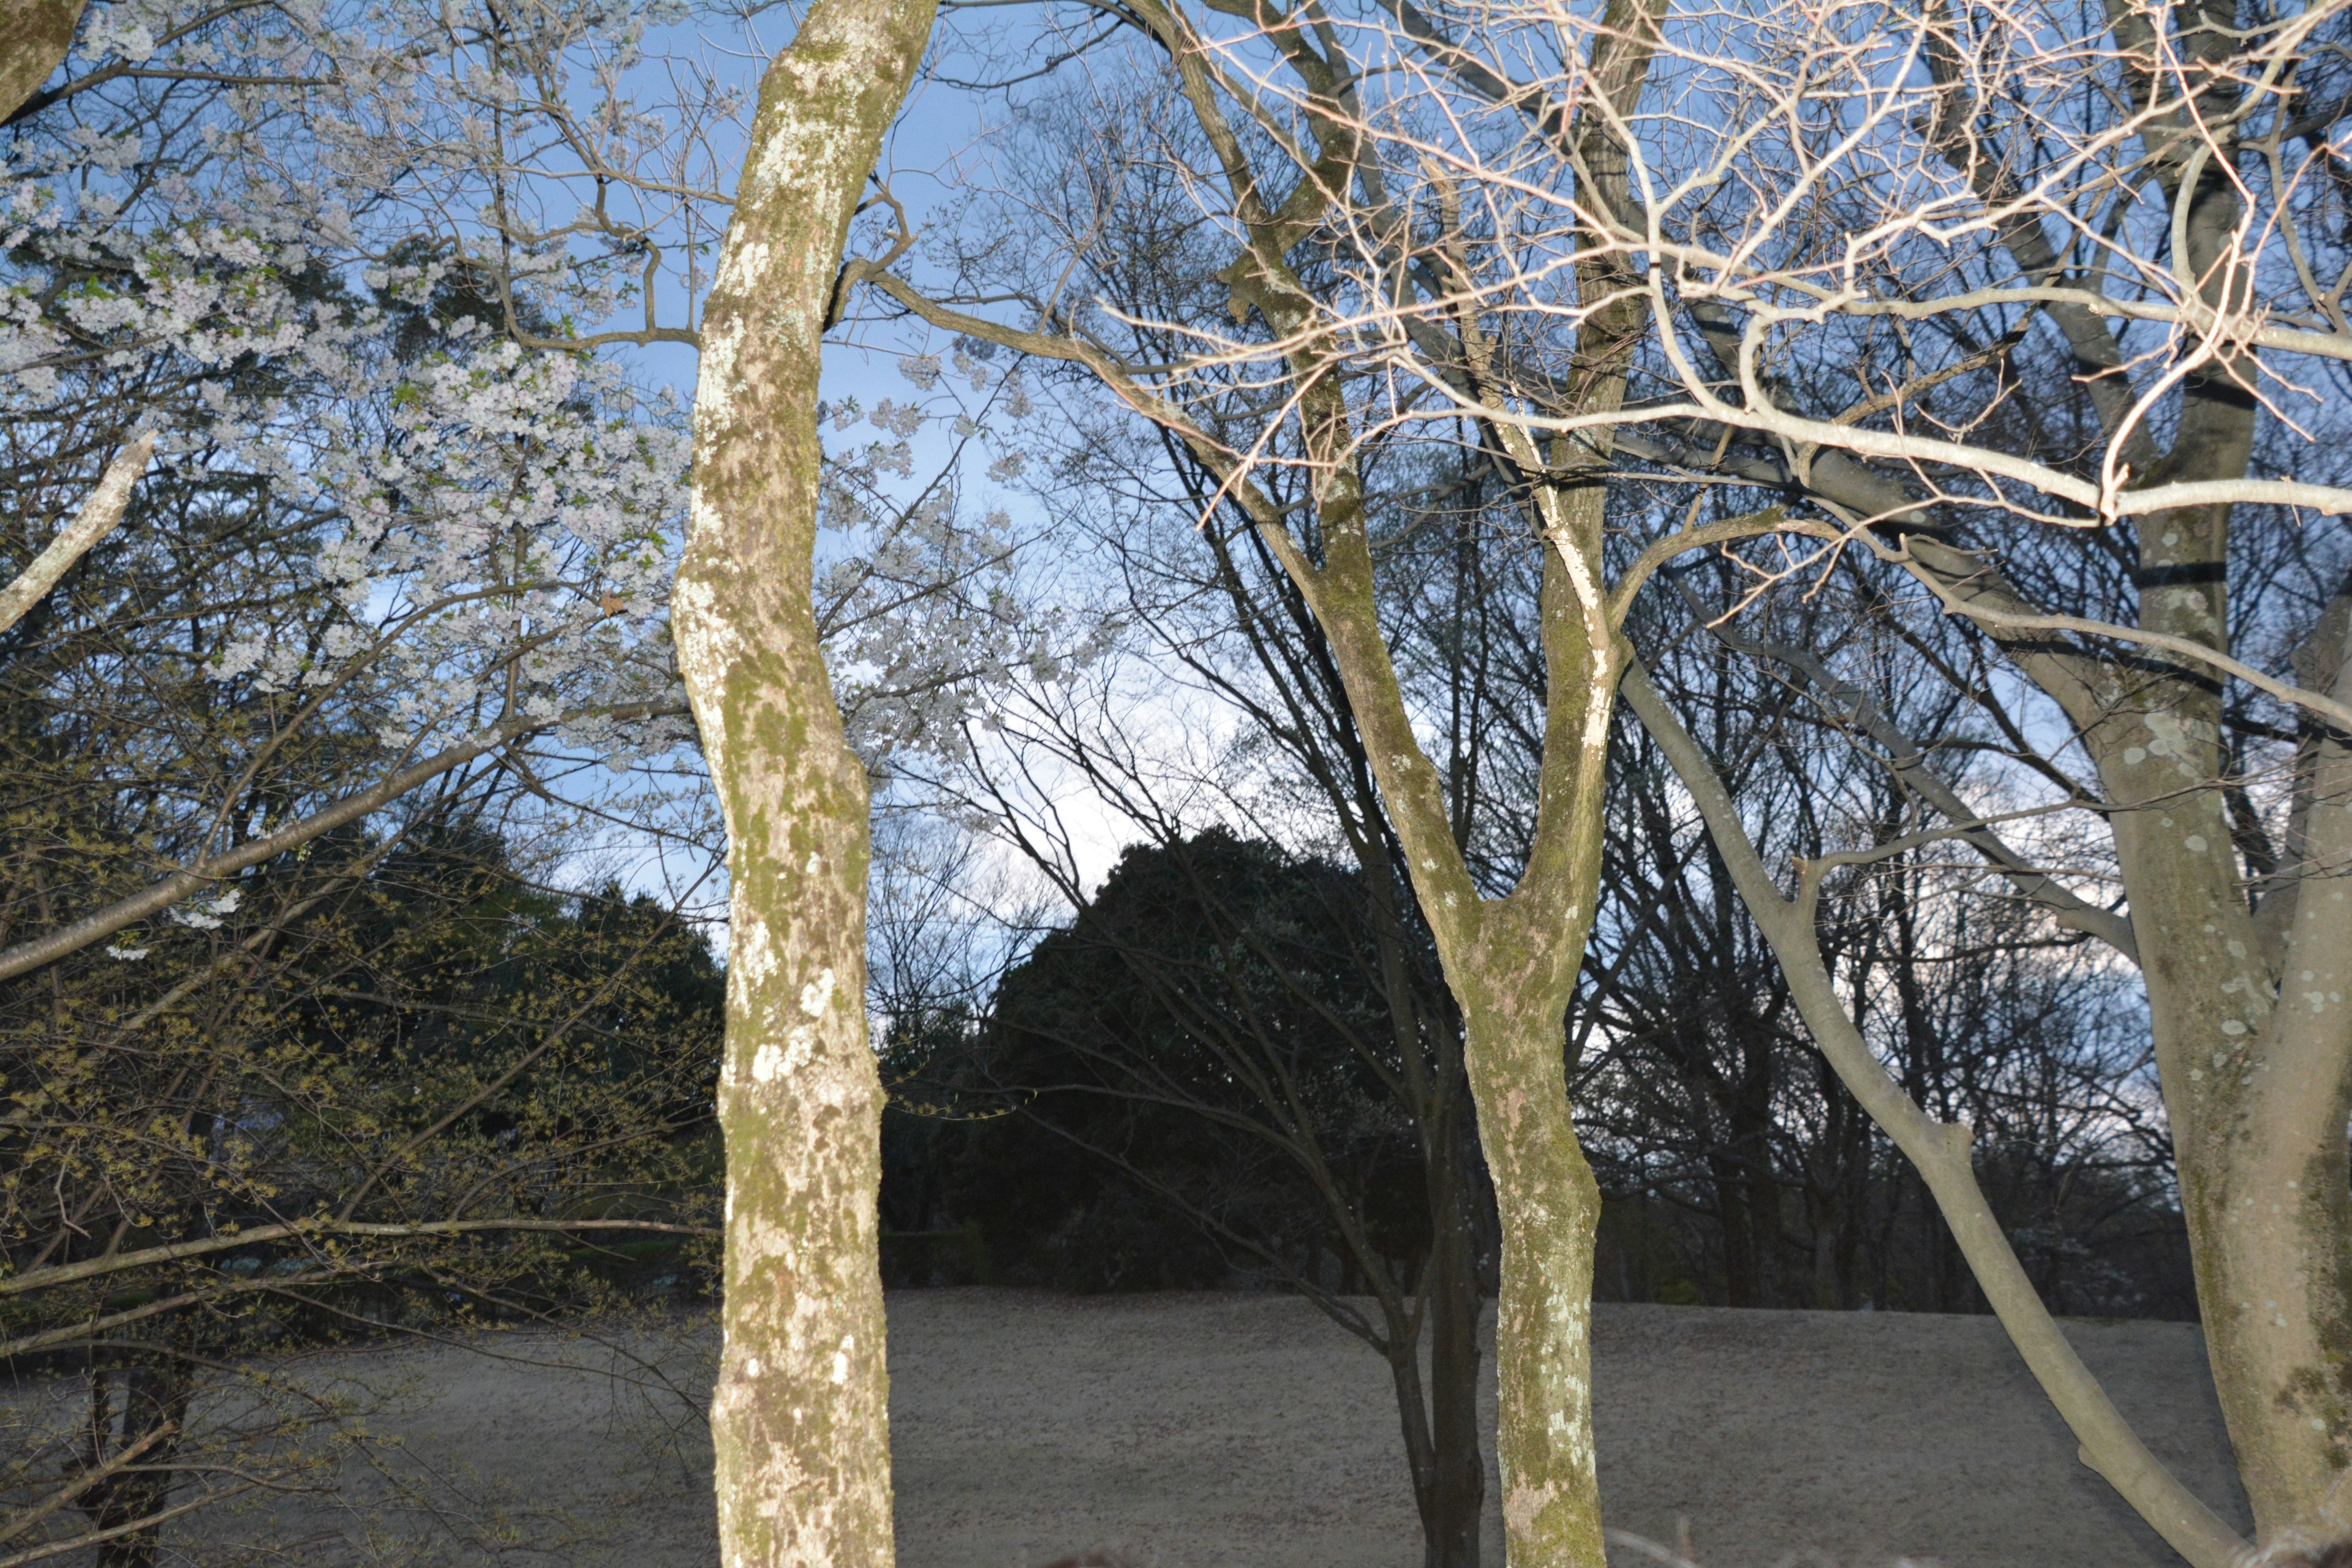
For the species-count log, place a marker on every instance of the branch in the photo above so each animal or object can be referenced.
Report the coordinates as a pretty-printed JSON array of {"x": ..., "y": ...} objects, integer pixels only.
[
  {"x": 75, "y": 1543},
  {"x": 1939, "y": 1151},
  {"x": 1910, "y": 763},
  {"x": 553, "y": 1037},
  {"x": 26, "y": 956},
  {"x": 97, "y": 518},
  {"x": 228, "y": 1241},
  {"x": 23, "y": 109},
  {"x": 1997, "y": 621},
  {"x": 1771, "y": 519},
  {"x": 2096, "y": 504},
  {"x": 121, "y": 1460}
]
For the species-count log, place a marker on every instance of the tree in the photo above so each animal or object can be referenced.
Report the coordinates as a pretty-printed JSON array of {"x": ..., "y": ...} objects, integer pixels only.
[
  {"x": 475, "y": 526},
  {"x": 800, "y": 1420},
  {"x": 2005, "y": 304},
  {"x": 1219, "y": 702},
  {"x": 309, "y": 250},
  {"x": 1224, "y": 1032},
  {"x": 1511, "y": 951},
  {"x": 2125, "y": 624},
  {"x": 312, "y": 249},
  {"x": 1761, "y": 1170},
  {"x": 429, "y": 1095}
]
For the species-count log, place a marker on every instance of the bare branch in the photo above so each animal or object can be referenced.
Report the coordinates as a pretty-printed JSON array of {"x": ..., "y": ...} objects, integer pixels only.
[
  {"x": 30, "y": 955},
  {"x": 98, "y": 517}
]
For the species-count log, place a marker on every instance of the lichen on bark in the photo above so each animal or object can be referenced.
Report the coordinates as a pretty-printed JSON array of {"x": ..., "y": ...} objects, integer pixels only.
[{"x": 799, "y": 1415}]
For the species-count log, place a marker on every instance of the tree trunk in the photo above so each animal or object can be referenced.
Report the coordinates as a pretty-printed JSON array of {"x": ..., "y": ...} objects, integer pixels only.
[
  {"x": 39, "y": 33},
  {"x": 1458, "y": 1485},
  {"x": 2253, "y": 1038},
  {"x": 799, "y": 1419},
  {"x": 1511, "y": 963},
  {"x": 1549, "y": 1205},
  {"x": 155, "y": 1388},
  {"x": 1726, "y": 1173},
  {"x": 2265, "y": 1176}
]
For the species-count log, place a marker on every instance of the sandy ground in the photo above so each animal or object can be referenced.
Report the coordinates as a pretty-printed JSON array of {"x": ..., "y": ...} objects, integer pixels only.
[{"x": 1192, "y": 1430}]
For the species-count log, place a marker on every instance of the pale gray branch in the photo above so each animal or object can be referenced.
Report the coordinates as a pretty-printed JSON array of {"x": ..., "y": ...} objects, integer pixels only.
[
  {"x": 97, "y": 518},
  {"x": 1939, "y": 1149}
]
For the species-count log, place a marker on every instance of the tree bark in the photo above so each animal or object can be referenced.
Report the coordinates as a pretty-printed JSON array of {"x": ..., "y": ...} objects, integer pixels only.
[
  {"x": 799, "y": 1419},
  {"x": 2271, "y": 1203},
  {"x": 1550, "y": 1210},
  {"x": 1511, "y": 965},
  {"x": 2253, "y": 1038},
  {"x": 1458, "y": 1484},
  {"x": 34, "y": 38}
]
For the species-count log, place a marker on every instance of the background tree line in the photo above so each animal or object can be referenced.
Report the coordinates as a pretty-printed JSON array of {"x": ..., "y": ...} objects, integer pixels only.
[
  {"x": 1051, "y": 1138},
  {"x": 1738, "y": 1169}
]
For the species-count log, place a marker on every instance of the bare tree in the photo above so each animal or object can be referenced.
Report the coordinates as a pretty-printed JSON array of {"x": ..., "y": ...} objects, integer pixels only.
[
  {"x": 2039, "y": 315},
  {"x": 1209, "y": 612},
  {"x": 1291, "y": 1008},
  {"x": 1709, "y": 1095}
]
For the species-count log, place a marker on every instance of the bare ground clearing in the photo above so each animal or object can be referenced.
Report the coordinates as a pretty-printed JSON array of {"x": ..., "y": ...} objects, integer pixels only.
[{"x": 1185, "y": 1431}]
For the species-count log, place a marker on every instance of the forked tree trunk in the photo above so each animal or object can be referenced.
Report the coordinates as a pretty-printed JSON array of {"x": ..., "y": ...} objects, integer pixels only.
[
  {"x": 1511, "y": 963},
  {"x": 799, "y": 1419},
  {"x": 2247, "y": 1010}
]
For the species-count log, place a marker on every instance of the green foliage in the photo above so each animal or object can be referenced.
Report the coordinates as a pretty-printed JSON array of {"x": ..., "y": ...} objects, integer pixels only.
[
  {"x": 1162, "y": 1089},
  {"x": 409, "y": 1029}
]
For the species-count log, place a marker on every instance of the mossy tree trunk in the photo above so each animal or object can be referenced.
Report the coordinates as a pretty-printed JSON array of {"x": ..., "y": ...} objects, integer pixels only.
[
  {"x": 799, "y": 1419},
  {"x": 2247, "y": 966},
  {"x": 2247, "y": 1008},
  {"x": 34, "y": 38},
  {"x": 2251, "y": 1032}
]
